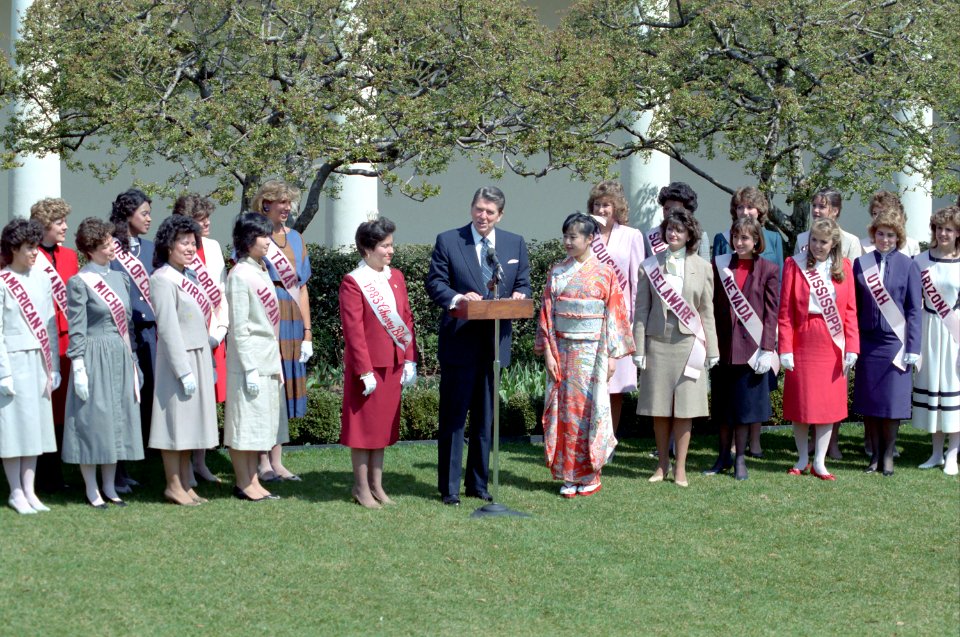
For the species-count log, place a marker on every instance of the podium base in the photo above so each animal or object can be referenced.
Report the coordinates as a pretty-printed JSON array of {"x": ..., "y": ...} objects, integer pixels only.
[{"x": 496, "y": 510}]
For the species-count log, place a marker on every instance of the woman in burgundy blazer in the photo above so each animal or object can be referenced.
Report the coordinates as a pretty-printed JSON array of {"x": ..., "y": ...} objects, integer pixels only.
[
  {"x": 815, "y": 382},
  {"x": 375, "y": 365},
  {"x": 741, "y": 383}
]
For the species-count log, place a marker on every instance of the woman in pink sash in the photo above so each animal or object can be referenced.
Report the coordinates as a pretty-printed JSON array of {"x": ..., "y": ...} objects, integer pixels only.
[
  {"x": 818, "y": 341},
  {"x": 888, "y": 294},
  {"x": 29, "y": 365},
  {"x": 376, "y": 364},
  {"x": 936, "y": 387}
]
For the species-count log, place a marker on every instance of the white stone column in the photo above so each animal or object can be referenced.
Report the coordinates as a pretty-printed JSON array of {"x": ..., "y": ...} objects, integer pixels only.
[
  {"x": 916, "y": 192},
  {"x": 357, "y": 203},
  {"x": 37, "y": 177},
  {"x": 643, "y": 177}
]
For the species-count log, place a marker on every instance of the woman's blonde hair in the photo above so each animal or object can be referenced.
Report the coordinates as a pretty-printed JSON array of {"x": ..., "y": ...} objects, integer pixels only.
[
  {"x": 889, "y": 218},
  {"x": 612, "y": 190},
  {"x": 830, "y": 228},
  {"x": 46, "y": 211},
  {"x": 274, "y": 190},
  {"x": 951, "y": 215}
]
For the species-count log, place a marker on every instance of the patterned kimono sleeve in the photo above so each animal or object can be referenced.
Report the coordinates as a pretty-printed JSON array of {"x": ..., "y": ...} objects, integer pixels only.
[
  {"x": 619, "y": 331},
  {"x": 545, "y": 333}
]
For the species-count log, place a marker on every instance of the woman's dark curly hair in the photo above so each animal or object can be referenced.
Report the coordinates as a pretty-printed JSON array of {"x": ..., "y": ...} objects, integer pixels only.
[
  {"x": 123, "y": 208},
  {"x": 680, "y": 217},
  {"x": 91, "y": 233},
  {"x": 247, "y": 228},
  {"x": 370, "y": 233},
  {"x": 172, "y": 228},
  {"x": 679, "y": 191},
  {"x": 15, "y": 234}
]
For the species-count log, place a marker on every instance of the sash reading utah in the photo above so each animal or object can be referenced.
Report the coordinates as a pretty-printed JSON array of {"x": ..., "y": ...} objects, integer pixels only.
[
  {"x": 285, "y": 269},
  {"x": 600, "y": 251},
  {"x": 745, "y": 312},
  {"x": 191, "y": 288},
  {"x": 56, "y": 283},
  {"x": 657, "y": 243},
  {"x": 378, "y": 294},
  {"x": 949, "y": 316},
  {"x": 891, "y": 313},
  {"x": 33, "y": 320},
  {"x": 828, "y": 306},
  {"x": 263, "y": 290},
  {"x": 134, "y": 267},
  {"x": 118, "y": 311},
  {"x": 684, "y": 312},
  {"x": 205, "y": 281}
]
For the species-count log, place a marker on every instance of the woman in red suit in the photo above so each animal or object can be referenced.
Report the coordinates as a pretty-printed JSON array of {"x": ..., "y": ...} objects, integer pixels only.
[
  {"x": 59, "y": 263},
  {"x": 379, "y": 357},
  {"x": 819, "y": 341}
]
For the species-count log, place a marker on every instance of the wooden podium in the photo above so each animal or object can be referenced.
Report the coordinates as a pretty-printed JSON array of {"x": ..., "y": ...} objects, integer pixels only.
[{"x": 492, "y": 310}]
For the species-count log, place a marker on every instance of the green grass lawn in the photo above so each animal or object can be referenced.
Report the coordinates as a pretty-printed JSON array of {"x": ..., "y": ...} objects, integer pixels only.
[{"x": 775, "y": 554}]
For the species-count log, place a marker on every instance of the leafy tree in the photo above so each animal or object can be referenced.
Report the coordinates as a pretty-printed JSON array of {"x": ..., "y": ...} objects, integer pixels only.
[
  {"x": 300, "y": 89},
  {"x": 804, "y": 92}
]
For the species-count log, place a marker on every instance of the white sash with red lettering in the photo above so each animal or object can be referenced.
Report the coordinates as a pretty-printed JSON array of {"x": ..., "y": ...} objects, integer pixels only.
[
  {"x": 192, "y": 289},
  {"x": 949, "y": 316},
  {"x": 867, "y": 245},
  {"x": 286, "y": 270},
  {"x": 102, "y": 290},
  {"x": 134, "y": 267},
  {"x": 263, "y": 289},
  {"x": 745, "y": 312},
  {"x": 603, "y": 256},
  {"x": 657, "y": 244},
  {"x": 376, "y": 290},
  {"x": 33, "y": 320},
  {"x": 206, "y": 282},
  {"x": 828, "y": 305},
  {"x": 891, "y": 313},
  {"x": 685, "y": 313},
  {"x": 56, "y": 283}
]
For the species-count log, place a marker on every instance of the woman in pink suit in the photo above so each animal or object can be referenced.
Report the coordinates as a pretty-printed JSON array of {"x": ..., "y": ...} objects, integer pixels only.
[
  {"x": 819, "y": 341},
  {"x": 620, "y": 247},
  {"x": 379, "y": 357}
]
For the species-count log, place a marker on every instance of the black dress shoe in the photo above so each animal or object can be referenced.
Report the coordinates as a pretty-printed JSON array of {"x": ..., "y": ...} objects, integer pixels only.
[
  {"x": 118, "y": 502},
  {"x": 240, "y": 495},
  {"x": 451, "y": 500},
  {"x": 887, "y": 474},
  {"x": 480, "y": 495},
  {"x": 758, "y": 456}
]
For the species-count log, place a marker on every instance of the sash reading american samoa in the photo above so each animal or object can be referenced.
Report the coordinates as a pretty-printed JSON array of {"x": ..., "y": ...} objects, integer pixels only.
[
  {"x": 56, "y": 282},
  {"x": 828, "y": 305},
  {"x": 285, "y": 269},
  {"x": 379, "y": 296},
  {"x": 134, "y": 267},
  {"x": 685, "y": 313},
  {"x": 888, "y": 308},
  {"x": 102, "y": 290},
  {"x": 933, "y": 297},
  {"x": 193, "y": 291},
  {"x": 746, "y": 313},
  {"x": 32, "y": 318}
]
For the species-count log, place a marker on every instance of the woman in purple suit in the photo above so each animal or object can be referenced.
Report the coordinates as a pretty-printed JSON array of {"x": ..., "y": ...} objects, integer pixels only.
[{"x": 888, "y": 312}]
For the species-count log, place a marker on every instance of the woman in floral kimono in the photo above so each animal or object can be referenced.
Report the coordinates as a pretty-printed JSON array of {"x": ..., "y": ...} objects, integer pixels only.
[{"x": 583, "y": 329}]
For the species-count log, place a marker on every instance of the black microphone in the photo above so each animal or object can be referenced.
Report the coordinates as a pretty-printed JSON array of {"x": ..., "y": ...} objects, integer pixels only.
[{"x": 495, "y": 262}]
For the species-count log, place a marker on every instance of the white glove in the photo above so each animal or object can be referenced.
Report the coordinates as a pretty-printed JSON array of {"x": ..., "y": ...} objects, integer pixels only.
[
  {"x": 306, "y": 351},
  {"x": 712, "y": 362},
  {"x": 409, "y": 375},
  {"x": 764, "y": 362},
  {"x": 56, "y": 380},
  {"x": 640, "y": 362},
  {"x": 6, "y": 386},
  {"x": 369, "y": 383},
  {"x": 849, "y": 360},
  {"x": 189, "y": 383},
  {"x": 910, "y": 359},
  {"x": 81, "y": 386},
  {"x": 786, "y": 361},
  {"x": 253, "y": 383}
]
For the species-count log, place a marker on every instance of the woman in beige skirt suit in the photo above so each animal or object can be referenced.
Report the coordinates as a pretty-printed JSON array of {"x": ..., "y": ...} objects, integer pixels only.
[
  {"x": 673, "y": 377},
  {"x": 184, "y": 403}
]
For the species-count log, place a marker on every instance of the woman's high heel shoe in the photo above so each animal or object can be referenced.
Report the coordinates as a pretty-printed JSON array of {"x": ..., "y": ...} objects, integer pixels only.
[{"x": 800, "y": 472}]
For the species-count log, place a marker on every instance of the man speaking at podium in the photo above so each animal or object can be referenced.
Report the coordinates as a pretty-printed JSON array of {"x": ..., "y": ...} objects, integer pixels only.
[{"x": 463, "y": 263}]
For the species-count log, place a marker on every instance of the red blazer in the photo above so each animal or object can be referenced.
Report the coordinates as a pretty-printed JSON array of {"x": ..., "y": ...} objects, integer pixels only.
[
  {"x": 762, "y": 290},
  {"x": 65, "y": 262},
  {"x": 794, "y": 306},
  {"x": 366, "y": 342}
]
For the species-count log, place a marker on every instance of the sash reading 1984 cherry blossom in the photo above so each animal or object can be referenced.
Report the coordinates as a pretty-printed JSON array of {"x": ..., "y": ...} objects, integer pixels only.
[
  {"x": 949, "y": 316},
  {"x": 138, "y": 274},
  {"x": 33, "y": 321},
  {"x": 285, "y": 269},
  {"x": 600, "y": 251},
  {"x": 206, "y": 281},
  {"x": 745, "y": 312},
  {"x": 56, "y": 283},
  {"x": 102, "y": 290},
  {"x": 828, "y": 305},
  {"x": 379, "y": 296},
  {"x": 891, "y": 313},
  {"x": 193, "y": 291},
  {"x": 685, "y": 313}
]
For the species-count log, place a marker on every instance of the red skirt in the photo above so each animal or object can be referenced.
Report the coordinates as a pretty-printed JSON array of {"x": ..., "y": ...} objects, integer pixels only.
[
  {"x": 816, "y": 391},
  {"x": 371, "y": 422},
  {"x": 220, "y": 364}
]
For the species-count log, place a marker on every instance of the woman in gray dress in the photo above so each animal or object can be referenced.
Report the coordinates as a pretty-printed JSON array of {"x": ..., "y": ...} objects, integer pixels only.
[
  {"x": 184, "y": 414},
  {"x": 29, "y": 363},
  {"x": 102, "y": 422}
]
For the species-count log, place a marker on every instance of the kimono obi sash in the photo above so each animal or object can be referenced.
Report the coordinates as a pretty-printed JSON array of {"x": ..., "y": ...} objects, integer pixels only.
[{"x": 578, "y": 319}]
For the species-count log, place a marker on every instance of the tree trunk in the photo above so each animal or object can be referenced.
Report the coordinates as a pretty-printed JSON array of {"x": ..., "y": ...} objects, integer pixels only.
[{"x": 311, "y": 205}]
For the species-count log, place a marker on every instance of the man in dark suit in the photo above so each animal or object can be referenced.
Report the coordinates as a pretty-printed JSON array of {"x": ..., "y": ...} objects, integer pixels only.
[{"x": 460, "y": 270}]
